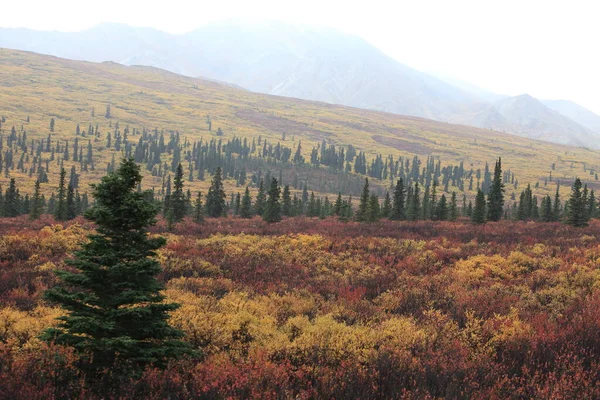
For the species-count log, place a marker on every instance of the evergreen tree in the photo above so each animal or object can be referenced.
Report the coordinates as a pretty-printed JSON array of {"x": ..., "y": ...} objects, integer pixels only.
[
  {"x": 453, "y": 211},
  {"x": 115, "y": 310},
  {"x": 496, "y": 194},
  {"x": 11, "y": 200},
  {"x": 337, "y": 207},
  {"x": 60, "y": 212},
  {"x": 198, "y": 209},
  {"x": 414, "y": 205},
  {"x": 373, "y": 211},
  {"x": 246, "y": 206},
  {"x": 546, "y": 209},
  {"x": 287, "y": 201},
  {"x": 478, "y": 213},
  {"x": 71, "y": 209},
  {"x": 577, "y": 214},
  {"x": 398, "y": 212},
  {"x": 272, "y": 211},
  {"x": 215, "y": 200},
  {"x": 441, "y": 209},
  {"x": 363, "y": 206},
  {"x": 386, "y": 210},
  {"x": 261, "y": 197},
  {"x": 556, "y": 208},
  {"x": 36, "y": 202},
  {"x": 177, "y": 201}
]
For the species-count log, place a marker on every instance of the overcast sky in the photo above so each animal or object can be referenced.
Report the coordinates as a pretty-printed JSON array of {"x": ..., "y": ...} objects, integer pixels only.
[{"x": 546, "y": 48}]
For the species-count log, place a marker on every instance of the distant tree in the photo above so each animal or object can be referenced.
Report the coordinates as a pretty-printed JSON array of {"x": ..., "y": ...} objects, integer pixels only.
[
  {"x": 546, "y": 209},
  {"x": 11, "y": 200},
  {"x": 198, "y": 209},
  {"x": 556, "y": 207},
  {"x": 413, "y": 210},
  {"x": 478, "y": 213},
  {"x": 215, "y": 200},
  {"x": 272, "y": 212},
  {"x": 246, "y": 206},
  {"x": 114, "y": 308},
  {"x": 107, "y": 113},
  {"x": 577, "y": 214},
  {"x": 398, "y": 211},
  {"x": 60, "y": 212},
  {"x": 362, "y": 214},
  {"x": 453, "y": 211},
  {"x": 441, "y": 209},
  {"x": 373, "y": 210},
  {"x": 71, "y": 207},
  {"x": 386, "y": 210},
  {"x": 177, "y": 201},
  {"x": 496, "y": 194},
  {"x": 286, "y": 202},
  {"x": 51, "y": 124},
  {"x": 36, "y": 203},
  {"x": 261, "y": 197}
]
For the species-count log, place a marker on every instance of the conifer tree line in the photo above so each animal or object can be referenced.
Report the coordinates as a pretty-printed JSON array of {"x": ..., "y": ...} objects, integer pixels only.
[{"x": 431, "y": 191}]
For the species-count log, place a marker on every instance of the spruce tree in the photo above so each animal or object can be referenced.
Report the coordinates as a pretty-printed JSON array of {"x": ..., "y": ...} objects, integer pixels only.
[
  {"x": 198, "y": 209},
  {"x": 478, "y": 213},
  {"x": 363, "y": 206},
  {"x": 246, "y": 206},
  {"x": 115, "y": 311},
  {"x": 272, "y": 212},
  {"x": 373, "y": 210},
  {"x": 556, "y": 207},
  {"x": 441, "y": 209},
  {"x": 215, "y": 200},
  {"x": 177, "y": 202},
  {"x": 337, "y": 207},
  {"x": 259, "y": 204},
  {"x": 398, "y": 212},
  {"x": 71, "y": 209},
  {"x": 36, "y": 202},
  {"x": 496, "y": 194},
  {"x": 11, "y": 200},
  {"x": 577, "y": 214},
  {"x": 453, "y": 211},
  {"x": 60, "y": 210},
  {"x": 386, "y": 210},
  {"x": 286, "y": 202}
]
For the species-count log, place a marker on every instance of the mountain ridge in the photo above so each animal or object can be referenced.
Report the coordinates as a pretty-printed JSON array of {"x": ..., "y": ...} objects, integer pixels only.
[{"x": 313, "y": 64}]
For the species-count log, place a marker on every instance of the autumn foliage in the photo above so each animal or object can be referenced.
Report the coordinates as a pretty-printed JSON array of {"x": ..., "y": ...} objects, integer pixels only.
[{"x": 311, "y": 308}]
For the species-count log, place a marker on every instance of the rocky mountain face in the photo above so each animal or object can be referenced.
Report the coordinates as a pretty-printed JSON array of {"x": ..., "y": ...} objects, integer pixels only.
[{"x": 314, "y": 64}]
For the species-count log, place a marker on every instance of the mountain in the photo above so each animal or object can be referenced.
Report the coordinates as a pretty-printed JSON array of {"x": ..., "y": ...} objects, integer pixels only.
[
  {"x": 577, "y": 113},
  {"x": 530, "y": 118},
  {"x": 302, "y": 62}
]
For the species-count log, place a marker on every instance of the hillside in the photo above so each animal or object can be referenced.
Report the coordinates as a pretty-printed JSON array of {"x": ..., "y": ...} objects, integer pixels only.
[
  {"x": 301, "y": 62},
  {"x": 39, "y": 88}
]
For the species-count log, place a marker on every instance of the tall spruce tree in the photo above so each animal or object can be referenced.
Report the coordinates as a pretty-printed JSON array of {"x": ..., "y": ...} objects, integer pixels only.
[
  {"x": 198, "y": 209},
  {"x": 362, "y": 214},
  {"x": 215, "y": 200},
  {"x": 577, "y": 214},
  {"x": 71, "y": 207},
  {"x": 272, "y": 211},
  {"x": 177, "y": 201},
  {"x": 36, "y": 202},
  {"x": 478, "y": 213},
  {"x": 496, "y": 194},
  {"x": 261, "y": 198},
  {"x": 286, "y": 202},
  {"x": 398, "y": 212},
  {"x": 60, "y": 210},
  {"x": 556, "y": 207},
  {"x": 246, "y": 206},
  {"x": 115, "y": 311}
]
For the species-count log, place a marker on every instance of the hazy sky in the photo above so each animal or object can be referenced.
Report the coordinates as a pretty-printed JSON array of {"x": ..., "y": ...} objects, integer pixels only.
[{"x": 545, "y": 48}]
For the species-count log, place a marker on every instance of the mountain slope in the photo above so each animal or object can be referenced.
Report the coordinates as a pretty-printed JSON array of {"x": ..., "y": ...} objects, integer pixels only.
[
  {"x": 533, "y": 119},
  {"x": 293, "y": 61},
  {"x": 575, "y": 112},
  {"x": 39, "y": 88}
]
